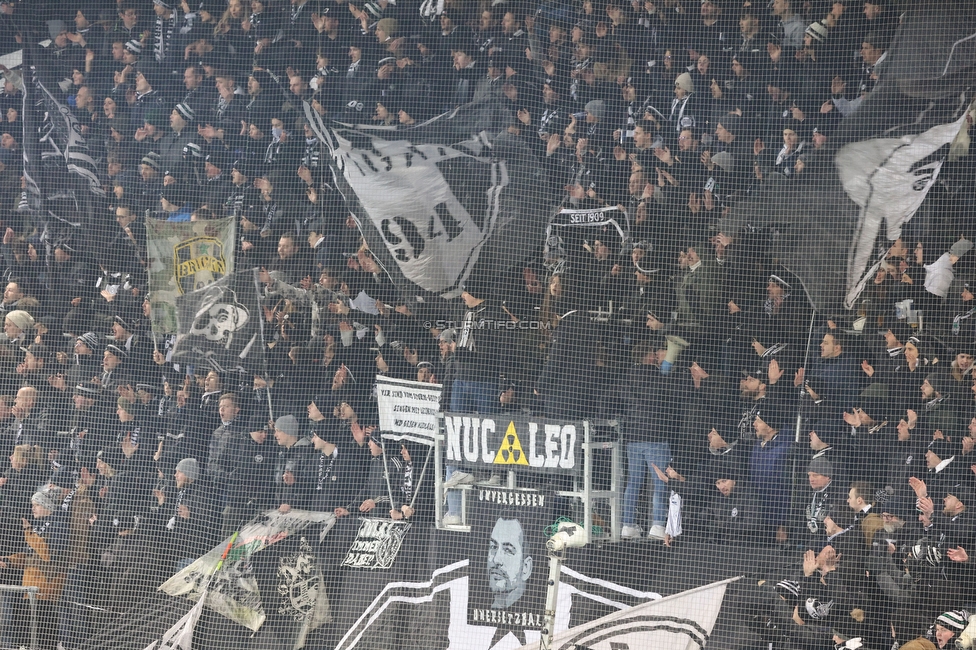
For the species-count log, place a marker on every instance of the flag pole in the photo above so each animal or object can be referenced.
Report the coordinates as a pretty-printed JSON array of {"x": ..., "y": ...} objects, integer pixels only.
[
  {"x": 264, "y": 346},
  {"x": 223, "y": 556},
  {"x": 386, "y": 472},
  {"x": 552, "y": 593},
  {"x": 423, "y": 472}
]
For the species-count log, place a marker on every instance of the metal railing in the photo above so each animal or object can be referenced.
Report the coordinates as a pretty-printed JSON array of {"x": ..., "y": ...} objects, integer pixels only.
[{"x": 32, "y": 602}]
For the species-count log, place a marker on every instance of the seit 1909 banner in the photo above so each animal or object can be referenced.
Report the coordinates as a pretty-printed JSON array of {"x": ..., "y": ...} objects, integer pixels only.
[{"x": 514, "y": 442}]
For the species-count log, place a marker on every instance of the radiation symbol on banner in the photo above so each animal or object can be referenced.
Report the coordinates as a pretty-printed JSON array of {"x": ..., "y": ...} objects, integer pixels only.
[{"x": 510, "y": 452}]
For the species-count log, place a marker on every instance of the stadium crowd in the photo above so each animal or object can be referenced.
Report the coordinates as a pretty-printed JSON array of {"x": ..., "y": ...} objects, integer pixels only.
[{"x": 700, "y": 345}]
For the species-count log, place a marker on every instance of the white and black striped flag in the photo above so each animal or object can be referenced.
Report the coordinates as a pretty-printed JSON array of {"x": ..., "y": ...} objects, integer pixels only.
[
  {"x": 454, "y": 198},
  {"x": 59, "y": 172}
]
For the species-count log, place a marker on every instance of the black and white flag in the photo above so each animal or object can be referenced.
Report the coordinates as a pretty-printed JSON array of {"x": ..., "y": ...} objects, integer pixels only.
[
  {"x": 832, "y": 223},
  {"x": 683, "y": 621},
  {"x": 440, "y": 202},
  {"x": 220, "y": 325},
  {"x": 60, "y": 174}
]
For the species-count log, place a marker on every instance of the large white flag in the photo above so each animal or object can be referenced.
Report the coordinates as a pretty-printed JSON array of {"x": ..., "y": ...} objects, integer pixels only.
[{"x": 679, "y": 622}]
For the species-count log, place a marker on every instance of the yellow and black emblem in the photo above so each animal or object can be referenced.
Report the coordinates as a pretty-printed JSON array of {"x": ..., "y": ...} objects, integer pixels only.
[
  {"x": 198, "y": 262},
  {"x": 510, "y": 452}
]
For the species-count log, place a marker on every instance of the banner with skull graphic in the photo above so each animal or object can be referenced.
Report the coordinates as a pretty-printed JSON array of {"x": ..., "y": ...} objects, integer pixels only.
[
  {"x": 270, "y": 572},
  {"x": 220, "y": 325}
]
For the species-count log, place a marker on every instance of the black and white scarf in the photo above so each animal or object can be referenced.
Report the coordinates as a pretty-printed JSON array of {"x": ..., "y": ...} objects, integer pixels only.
[
  {"x": 235, "y": 202},
  {"x": 41, "y": 525},
  {"x": 326, "y": 469},
  {"x": 163, "y": 35},
  {"x": 222, "y": 106},
  {"x": 66, "y": 503},
  {"x": 551, "y": 113}
]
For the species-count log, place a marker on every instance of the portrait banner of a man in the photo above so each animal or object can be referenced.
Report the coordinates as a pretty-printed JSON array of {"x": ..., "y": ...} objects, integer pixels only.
[{"x": 507, "y": 575}]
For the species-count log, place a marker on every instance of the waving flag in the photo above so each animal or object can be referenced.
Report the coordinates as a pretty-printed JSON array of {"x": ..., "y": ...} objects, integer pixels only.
[
  {"x": 442, "y": 201},
  {"x": 683, "y": 621},
  {"x": 270, "y": 571},
  {"x": 221, "y": 325},
  {"x": 834, "y": 221},
  {"x": 59, "y": 172}
]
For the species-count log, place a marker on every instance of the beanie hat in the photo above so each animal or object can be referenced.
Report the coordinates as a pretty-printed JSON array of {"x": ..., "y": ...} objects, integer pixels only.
[
  {"x": 157, "y": 118},
  {"x": 149, "y": 71},
  {"x": 938, "y": 382},
  {"x": 829, "y": 432},
  {"x": 322, "y": 401},
  {"x": 596, "y": 108},
  {"x": 685, "y": 82},
  {"x": 961, "y": 247},
  {"x": 477, "y": 287},
  {"x": 962, "y": 492},
  {"x": 877, "y": 40},
  {"x": 821, "y": 466},
  {"x": 221, "y": 159},
  {"x": 723, "y": 467},
  {"x": 21, "y": 319},
  {"x": 873, "y": 400},
  {"x": 193, "y": 153},
  {"x": 186, "y": 111},
  {"x": 955, "y": 620},
  {"x": 152, "y": 159},
  {"x": 65, "y": 476},
  {"x": 899, "y": 507},
  {"x": 190, "y": 467},
  {"x": 117, "y": 351},
  {"x": 134, "y": 46},
  {"x": 258, "y": 422},
  {"x": 111, "y": 456},
  {"x": 241, "y": 166},
  {"x": 174, "y": 194},
  {"x": 288, "y": 425},
  {"x": 125, "y": 320},
  {"x": 50, "y": 498},
  {"x": 90, "y": 339},
  {"x": 86, "y": 390},
  {"x": 817, "y": 31},
  {"x": 772, "y": 413}
]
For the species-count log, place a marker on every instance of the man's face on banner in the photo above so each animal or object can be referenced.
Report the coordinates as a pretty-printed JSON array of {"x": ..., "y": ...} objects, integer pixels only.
[{"x": 508, "y": 566}]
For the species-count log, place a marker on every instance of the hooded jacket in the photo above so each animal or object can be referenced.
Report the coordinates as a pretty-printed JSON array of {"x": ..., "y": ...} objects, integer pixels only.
[{"x": 299, "y": 460}]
